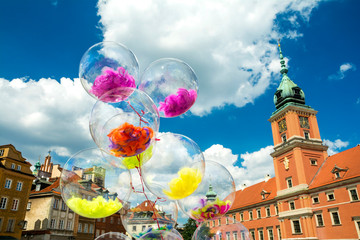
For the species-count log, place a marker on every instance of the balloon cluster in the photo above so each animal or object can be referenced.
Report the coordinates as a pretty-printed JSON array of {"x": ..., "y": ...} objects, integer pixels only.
[{"x": 133, "y": 163}]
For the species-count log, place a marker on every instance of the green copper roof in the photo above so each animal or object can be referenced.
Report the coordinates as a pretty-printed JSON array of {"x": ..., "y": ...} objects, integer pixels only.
[
  {"x": 37, "y": 165},
  {"x": 211, "y": 195},
  {"x": 288, "y": 91}
]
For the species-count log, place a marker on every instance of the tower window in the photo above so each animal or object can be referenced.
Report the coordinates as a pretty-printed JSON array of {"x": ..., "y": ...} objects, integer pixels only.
[
  {"x": 306, "y": 135},
  {"x": 313, "y": 161},
  {"x": 292, "y": 205},
  {"x": 289, "y": 182},
  {"x": 283, "y": 137}
]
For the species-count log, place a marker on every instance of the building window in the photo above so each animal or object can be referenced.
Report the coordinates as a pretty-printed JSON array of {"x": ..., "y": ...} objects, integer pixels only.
[
  {"x": 143, "y": 228},
  {"x": 3, "y": 202},
  {"x": 61, "y": 224},
  {"x": 227, "y": 236},
  {"x": 296, "y": 227},
  {"x": 53, "y": 222},
  {"x": 104, "y": 220},
  {"x": 97, "y": 233},
  {"x": 227, "y": 219},
  {"x": 235, "y": 235},
  {"x": 279, "y": 232},
  {"x": 337, "y": 175},
  {"x": 8, "y": 183},
  {"x": 118, "y": 221},
  {"x": 134, "y": 228},
  {"x": 213, "y": 223},
  {"x": 292, "y": 205},
  {"x": 234, "y": 218},
  {"x": 251, "y": 215},
  {"x": 261, "y": 234},
  {"x": 13, "y": 166},
  {"x": 353, "y": 194},
  {"x": 63, "y": 205},
  {"x": 19, "y": 186},
  {"x": 283, "y": 137},
  {"x": 270, "y": 234},
  {"x": 319, "y": 220},
  {"x": 242, "y": 217},
  {"x": 15, "y": 205},
  {"x": 69, "y": 225},
  {"x": 1, "y": 221},
  {"x": 276, "y": 209},
  {"x": 306, "y": 135},
  {"x": 1, "y": 152},
  {"x": 38, "y": 186},
  {"x": 80, "y": 227},
  {"x": 335, "y": 218},
  {"x": 56, "y": 203},
  {"x": 268, "y": 212},
  {"x": 289, "y": 182},
  {"x": 313, "y": 161},
  {"x": 243, "y": 237},
  {"x": 219, "y": 222},
  {"x": 111, "y": 220},
  {"x": 11, "y": 225},
  {"x": 330, "y": 196},
  {"x": 85, "y": 228},
  {"x": 258, "y": 213},
  {"x": 252, "y": 233},
  {"x": 99, "y": 219},
  {"x": 18, "y": 167},
  {"x": 315, "y": 200},
  {"x": 91, "y": 228}
]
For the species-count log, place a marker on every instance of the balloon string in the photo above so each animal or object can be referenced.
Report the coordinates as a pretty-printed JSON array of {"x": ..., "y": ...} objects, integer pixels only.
[{"x": 140, "y": 116}]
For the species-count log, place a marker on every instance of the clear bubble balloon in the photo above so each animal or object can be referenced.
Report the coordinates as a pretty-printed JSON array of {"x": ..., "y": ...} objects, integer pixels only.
[
  {"x": 92, "y": 187},
  {"x": 144, "y": 213},
  {"x": 113, "y": 236},
  {"x": 106, "y": 66},
  {"x": 172, "y": 84},
  {"x": 126, "y": 124},
  {"x": 176, "y": 167},
  {"x": 162, "y": 234},
  {"x": 214, "y": 196},
  {"x": 233, "y": 230}
]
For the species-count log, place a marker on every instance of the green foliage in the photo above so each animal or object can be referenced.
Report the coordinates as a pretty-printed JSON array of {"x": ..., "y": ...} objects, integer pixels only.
[{"x": 189, "y": 229}]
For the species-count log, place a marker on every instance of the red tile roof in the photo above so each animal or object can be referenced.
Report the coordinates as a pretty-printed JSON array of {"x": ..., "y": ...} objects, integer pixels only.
[
  {"x": 252, "y": 194},
  {"x": 348, "y": 160},
  {"x": 52, "y": 188}
]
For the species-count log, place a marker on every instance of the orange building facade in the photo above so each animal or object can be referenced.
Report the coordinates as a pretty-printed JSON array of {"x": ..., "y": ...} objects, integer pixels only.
[{"x": 312, "y": 196}]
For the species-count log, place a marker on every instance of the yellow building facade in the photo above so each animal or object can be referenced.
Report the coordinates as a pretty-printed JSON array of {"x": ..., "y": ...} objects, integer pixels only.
[{"x": 15, "y": 185}]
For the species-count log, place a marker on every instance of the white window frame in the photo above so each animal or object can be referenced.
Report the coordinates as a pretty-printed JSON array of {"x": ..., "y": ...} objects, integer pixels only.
[
  {"x": 18, "y": 167},
  {"x": 80, "y": 227},
  {"x": 357, "y": 225},
  {"x": 260, "y": 232},
  {"x": 61, "y": 224},
  {"x": 3, "y": 203},
  {"x": 292, "y": 203},
  {"x": 91, "y": 228},
  {"x": 241, "y": 217},
  {"x": 278, "y": 230},
  {"x": 311, "y": 162},
  {"x": 268, "y": 211},
  {"x": 56, "y": 203},
  {"x": 227, "y": 219},
  {"x": 53, "y": 223},
  {"x": 1, "y": 152},
  {"x": 258, "y": 213},
  {"x": 276, "y": 209},
  {"x": 12, "y": 165},
  {"x": 313, "y": 199},
  {"x": 235, "y": 235},
  {"x": 227, "y": 235},
  {"x": 317, "y": 219},
  {"x": 17, "y": 186},
  {"x": 331, "y": 211},
  {"x": 350, "y": 195},
  {"x": 219, "y": 221},
  {"x": 86, "y": 227},
  {"x": 330, "y": 193},
  {"x": 272, "y": 233},
  {"x": 234, "y": 218},
  {"x": 308, "y": 134},
  {"x": 16, "y": 204},
  {"x": 97, "y": 233},
  {"x": 251, "y": 217},
  {"x": 8, "y": 183},
  {"x": 10, "y": 227},
  {"x": 283, "y": 137},
  {"x": 293, "y": 227},
  {"x": 69, "y": 225},
  {"x": 287, "y": 182}
]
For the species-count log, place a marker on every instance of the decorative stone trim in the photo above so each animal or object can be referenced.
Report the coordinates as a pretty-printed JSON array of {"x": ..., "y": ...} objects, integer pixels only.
[
  {"x": 302, "y": 212},
  {"x": 288, "y": 191}
]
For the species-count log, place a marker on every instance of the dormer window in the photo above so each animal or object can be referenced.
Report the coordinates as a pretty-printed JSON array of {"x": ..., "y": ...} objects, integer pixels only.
[
  {"x": 264, "y": 194},
  {"x": 313, "y": 162},
  {"x": 338, "y": 172}
]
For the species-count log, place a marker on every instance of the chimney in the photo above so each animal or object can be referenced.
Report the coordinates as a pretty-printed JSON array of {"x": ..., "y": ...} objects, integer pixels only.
[
  {"x": 243, "y": 186},
  {"x": 267, "y": 177}
]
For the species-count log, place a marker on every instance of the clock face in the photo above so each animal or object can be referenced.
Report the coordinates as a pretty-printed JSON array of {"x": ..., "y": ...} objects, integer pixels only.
[
  {"x": 304, "y": 122},
  {"x": 282, "y": 125}
]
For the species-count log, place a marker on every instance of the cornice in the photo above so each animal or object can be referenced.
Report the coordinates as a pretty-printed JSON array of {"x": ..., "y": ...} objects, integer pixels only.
[{"x": 301, "y": 110}]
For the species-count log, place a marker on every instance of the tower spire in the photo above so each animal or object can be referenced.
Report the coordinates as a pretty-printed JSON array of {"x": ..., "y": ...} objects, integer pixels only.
[{"x": 284, "y": 69}]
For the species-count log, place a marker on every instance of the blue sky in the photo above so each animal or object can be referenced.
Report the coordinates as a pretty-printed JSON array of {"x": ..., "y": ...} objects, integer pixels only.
[{"x": 231, "y": 47}]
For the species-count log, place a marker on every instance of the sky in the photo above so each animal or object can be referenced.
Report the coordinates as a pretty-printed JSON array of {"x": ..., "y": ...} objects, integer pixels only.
[{"x": 232, "y": 47}]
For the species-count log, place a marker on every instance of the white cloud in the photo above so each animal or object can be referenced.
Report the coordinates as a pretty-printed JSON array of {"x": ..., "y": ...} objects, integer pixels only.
[
  {"x": 345, "y": 67},
  {"x": 45, "y": 115},
  {"x": 335, "y": 146},
  {"x": 255, "y": 165},
  {"x": 226, "y": 43}
]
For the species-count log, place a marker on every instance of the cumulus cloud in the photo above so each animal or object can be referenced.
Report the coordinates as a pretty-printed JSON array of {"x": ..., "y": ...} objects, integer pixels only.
[
  {"x": 335, "y": 146},
  {"x": 343, "y": 69},
  {"x": 228, "y": 44},
  {"x": 45, "y": 115},
  {"x": 253, "y": 168}
]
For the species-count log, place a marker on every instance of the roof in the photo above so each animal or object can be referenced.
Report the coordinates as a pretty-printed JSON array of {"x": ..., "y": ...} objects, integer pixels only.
[
  {"x": 52, "y": 188},
  {"x": 346, "y": 163},
  {"x": 254, "y": 194}
]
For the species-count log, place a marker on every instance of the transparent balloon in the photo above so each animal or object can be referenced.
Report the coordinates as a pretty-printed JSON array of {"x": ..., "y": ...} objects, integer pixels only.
[
  {"x": 214, "y": 196},
  {"x": 231, "y": 231},
  {"x": 163, "y": 234},
  {"x": 172, "y": 84},
  {"x": 92, "y": 187},
  {"x": 144, "y": 213},
  {"x": 113, "y": 236},
  {"x": 106, "y": 66},
  {"x": 126, "y": 124},
  {"x": 176, "y": 167}
]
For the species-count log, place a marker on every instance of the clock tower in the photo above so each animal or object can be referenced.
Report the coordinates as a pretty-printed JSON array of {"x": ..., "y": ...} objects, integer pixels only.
[{"x": 298, "y": 153}]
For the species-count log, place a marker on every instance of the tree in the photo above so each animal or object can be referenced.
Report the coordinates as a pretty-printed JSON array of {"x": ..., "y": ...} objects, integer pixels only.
[{"x": 189, "y": 229}]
